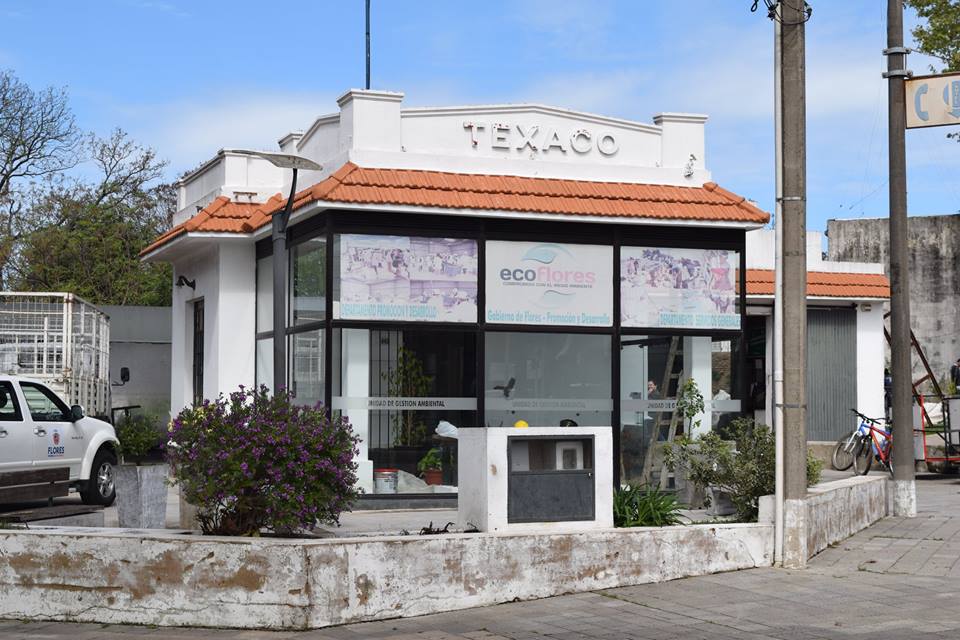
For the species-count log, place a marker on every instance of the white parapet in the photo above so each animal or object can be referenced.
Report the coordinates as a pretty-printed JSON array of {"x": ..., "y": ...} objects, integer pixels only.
[{"x": 496, "y": 463}]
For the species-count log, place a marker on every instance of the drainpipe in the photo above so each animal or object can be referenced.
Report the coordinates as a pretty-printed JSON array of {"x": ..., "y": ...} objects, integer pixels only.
[{"x": 778, "y": 303}]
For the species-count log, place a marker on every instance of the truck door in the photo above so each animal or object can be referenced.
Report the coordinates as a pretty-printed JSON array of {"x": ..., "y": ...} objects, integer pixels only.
[
  {"x": 59, "y": 442},
  {"x": 16, "y": 434}
]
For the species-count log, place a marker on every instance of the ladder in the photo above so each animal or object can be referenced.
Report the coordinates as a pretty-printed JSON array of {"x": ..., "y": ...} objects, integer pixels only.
[
  {"x": 662, "y": 418},
  {"x": 928, "y": 376}
]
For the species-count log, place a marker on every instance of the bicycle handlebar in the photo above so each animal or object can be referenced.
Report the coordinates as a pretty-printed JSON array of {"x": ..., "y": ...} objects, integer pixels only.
[{"x": 866, "y": 419}]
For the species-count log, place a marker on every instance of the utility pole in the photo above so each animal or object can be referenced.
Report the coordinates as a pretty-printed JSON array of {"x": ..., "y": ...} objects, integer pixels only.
[
  {"x": 367, "y": 86},
  {"x": 904, "y": 484},
  {"x": 793, "y": 15}
]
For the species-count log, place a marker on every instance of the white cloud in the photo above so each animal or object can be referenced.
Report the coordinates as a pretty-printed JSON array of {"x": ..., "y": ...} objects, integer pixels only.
[{"x": 188, "y": 132}]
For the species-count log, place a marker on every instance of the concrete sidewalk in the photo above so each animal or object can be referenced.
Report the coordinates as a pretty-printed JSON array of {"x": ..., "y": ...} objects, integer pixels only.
[{"x": 897, "y": 579}]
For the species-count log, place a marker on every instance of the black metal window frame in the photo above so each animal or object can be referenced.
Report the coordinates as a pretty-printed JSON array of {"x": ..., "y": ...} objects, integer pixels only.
[
  {"x": 199, "y": 322},
  {"x": 334, "y": 222}
]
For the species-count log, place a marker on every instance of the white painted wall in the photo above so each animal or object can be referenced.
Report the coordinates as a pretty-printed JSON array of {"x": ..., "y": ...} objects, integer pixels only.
[
  {"x": 224, "y": 276},
  {"x": 870, "y": 363},
  {"x": 373, "y": 130},
  {"x": 240, "y": 177}
]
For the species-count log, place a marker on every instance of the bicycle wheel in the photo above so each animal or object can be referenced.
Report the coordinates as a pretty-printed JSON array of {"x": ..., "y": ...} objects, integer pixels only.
[
  {"x": 863, "y": 456},
  {"x": 889, "y": 462},
  {"x": 843, "y": 453}
]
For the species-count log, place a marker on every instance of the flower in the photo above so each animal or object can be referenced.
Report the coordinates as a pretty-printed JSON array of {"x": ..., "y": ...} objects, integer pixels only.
[{"x": 253, "y": 461}]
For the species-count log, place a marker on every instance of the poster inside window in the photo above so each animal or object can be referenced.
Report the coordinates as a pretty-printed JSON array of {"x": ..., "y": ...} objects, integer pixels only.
[
  {"x": 679, "y": 288},
  {"x": 549, "y": 283},
  {"x": 405, "y": 278}
]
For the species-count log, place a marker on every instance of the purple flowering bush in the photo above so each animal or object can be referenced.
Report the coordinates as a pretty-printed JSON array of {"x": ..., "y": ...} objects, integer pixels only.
[{"x": 254, "y": 461}]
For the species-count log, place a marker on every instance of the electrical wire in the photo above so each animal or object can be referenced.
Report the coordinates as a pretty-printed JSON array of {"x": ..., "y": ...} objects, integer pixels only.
[{"x": 773, "y": 14}]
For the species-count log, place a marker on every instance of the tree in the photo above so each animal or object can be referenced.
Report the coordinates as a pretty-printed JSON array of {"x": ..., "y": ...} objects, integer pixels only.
[
  {"x": 94, "y": 230},
  {"x": 939, "y": 36},
  {"x": 38, "y": 140}
]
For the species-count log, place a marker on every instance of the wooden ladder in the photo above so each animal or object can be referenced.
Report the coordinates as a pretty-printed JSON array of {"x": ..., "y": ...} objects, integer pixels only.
[{"x": 662, "y": 418}]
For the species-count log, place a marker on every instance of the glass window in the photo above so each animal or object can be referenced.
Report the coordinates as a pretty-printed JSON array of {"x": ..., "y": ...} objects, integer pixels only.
[
  {"x": 679, "y": 288},
  {"x": 547, "y": 379},
  {"x": 9, "y": 407},
  {"x": 265, "y": 294},
  {"x": 406, "y": 393},
  {"x": 724, "y": 405},
  {"x": 44, "y": 405},
  {"x": 265, "y": 362},
  {"x": 307, "y": 382},
  {"x": 309, "y": 281},
  {"x": 405, "y": 278},
  {"x": 653, "y": 370}
]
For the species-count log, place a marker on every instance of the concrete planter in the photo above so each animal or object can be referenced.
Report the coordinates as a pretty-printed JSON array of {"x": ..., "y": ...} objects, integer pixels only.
[{"x": 141, "y": 496}]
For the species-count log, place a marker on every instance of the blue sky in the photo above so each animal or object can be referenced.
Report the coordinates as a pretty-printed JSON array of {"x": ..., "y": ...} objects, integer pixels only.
[{"x": 191, "y": 77}]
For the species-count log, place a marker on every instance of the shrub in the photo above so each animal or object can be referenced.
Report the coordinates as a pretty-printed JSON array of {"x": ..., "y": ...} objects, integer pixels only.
[
  {"x": 644, "y": 507},
  {"x": 138, "y": 436},
  {"x": 254, "y": 461},
  {"x": 745, "y": 468}
]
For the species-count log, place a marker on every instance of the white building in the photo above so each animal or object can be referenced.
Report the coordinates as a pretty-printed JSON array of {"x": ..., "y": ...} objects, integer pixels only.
[{"x": 481, "y": 264}]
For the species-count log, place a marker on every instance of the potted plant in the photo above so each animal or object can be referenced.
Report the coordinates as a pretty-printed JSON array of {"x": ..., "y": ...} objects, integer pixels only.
[
  {"x": 141, "y": 478},
  {"x": 431, "y": 467}
]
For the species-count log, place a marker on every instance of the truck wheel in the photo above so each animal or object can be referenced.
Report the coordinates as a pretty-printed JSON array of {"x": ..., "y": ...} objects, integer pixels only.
[{"x": 100, "y": 487}]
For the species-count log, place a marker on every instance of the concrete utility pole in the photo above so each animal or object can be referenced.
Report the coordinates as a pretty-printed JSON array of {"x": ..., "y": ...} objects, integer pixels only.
[
  {"x": 904, "y": 486},
  {"x": 793, "y": 153}
]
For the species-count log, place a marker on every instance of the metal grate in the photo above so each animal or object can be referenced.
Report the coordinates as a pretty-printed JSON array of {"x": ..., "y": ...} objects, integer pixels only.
[{"x": 61, "y": 340}]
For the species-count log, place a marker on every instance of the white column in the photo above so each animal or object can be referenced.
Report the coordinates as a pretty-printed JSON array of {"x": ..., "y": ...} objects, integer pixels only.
[
  {"x": 697, "y": 364},
  {"x": 356, "y": 384},
  {"x": 870, "y": 363}
]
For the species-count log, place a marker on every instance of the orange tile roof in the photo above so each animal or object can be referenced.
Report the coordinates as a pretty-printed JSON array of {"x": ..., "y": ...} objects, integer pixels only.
[
  {"x": 419, "y": 188},
  {"x": 222, "y": 215},
  {"x": 760, "y": 282}
]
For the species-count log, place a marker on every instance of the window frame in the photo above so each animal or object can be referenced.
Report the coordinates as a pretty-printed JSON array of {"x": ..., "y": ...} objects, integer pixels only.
[
  {"x": 332, "y": 222},
  {"x": 12, "y": 394},
  {"x": 50, "y": 395}
]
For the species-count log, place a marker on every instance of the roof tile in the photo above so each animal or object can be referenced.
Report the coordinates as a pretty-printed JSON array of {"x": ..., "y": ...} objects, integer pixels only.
[
  {"x": 760, "y": 282},
  {"x": 419, "y": 188}
]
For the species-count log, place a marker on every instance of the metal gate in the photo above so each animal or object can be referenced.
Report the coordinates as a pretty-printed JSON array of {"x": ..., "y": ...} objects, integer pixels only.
[{"x": 831, "y": 372}]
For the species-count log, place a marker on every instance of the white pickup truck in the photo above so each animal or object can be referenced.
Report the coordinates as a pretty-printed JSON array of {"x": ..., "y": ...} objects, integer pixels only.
[{"x": 38, "y": 430}]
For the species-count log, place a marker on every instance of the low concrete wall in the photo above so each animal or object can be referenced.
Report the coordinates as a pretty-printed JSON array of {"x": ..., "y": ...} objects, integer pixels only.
[
  {"x": 837, "y": 510},
  {"x": 169, "y": 579}
]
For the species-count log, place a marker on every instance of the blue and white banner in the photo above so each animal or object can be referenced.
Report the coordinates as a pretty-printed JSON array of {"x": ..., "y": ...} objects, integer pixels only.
[{"x": 549, "y": 283}]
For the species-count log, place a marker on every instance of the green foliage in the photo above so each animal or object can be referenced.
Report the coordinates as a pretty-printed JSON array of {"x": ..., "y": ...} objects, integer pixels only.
[
  {"x": 938, "y": 33},
  {"x": 94, "y": 254},
  {"x": 258, "y": 460},
  {"x": 138, "y": 436},
  {"x": 690, "y": 402},
  {"x": 644, "y": 507},
  {"x": 408, "y": 380},
  {"x": 744, "y": 468},
  {"x": 430, "y": 461}
]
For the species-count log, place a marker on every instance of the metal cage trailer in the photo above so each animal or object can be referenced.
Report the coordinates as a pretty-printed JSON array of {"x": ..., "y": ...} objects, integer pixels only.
[{"x": 61, "y": 340}]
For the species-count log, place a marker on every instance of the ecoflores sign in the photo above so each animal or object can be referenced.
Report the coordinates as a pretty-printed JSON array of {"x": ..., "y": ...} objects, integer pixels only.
[
  {"x": 537, "y": 139},
  {"x": 548, "y": 283}
]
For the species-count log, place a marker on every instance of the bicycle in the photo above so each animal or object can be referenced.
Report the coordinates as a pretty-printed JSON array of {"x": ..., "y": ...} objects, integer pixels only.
[
  {"x": 877, "y": 443},
  {"x": 848, "y": 445}
]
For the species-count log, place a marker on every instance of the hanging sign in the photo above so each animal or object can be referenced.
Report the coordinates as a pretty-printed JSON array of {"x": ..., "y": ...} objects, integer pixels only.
[
  {"x": 405, "y": 278},
  {"x": 547, "y": 283},
  {"x": 933, "y": 101},
  {"x": 678, "y": 288}
]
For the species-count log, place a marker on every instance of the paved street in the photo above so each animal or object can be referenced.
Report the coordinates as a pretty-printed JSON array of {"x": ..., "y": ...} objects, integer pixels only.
[{"x": 897, "y": 579}]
